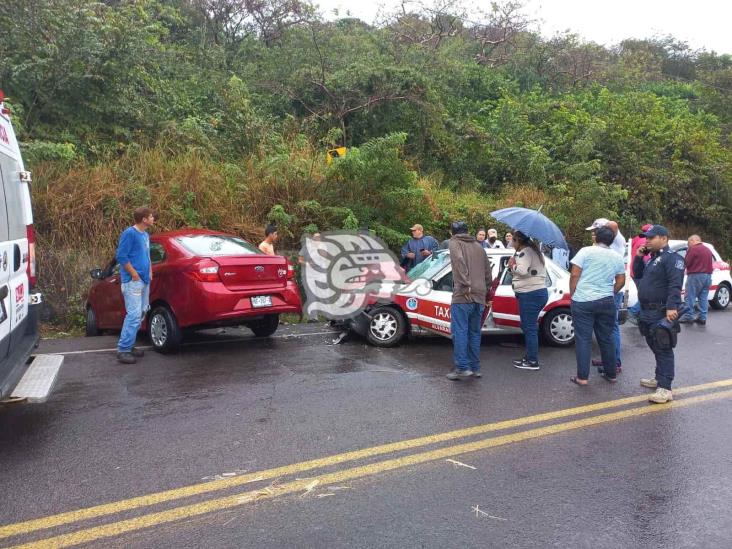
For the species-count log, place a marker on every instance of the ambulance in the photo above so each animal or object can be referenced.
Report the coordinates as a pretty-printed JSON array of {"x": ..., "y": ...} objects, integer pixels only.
[{"x": 24, "y": 376}]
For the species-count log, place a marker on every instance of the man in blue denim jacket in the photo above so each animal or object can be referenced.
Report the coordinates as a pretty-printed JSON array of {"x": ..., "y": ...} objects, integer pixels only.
[{"x": 133, "y": 256}]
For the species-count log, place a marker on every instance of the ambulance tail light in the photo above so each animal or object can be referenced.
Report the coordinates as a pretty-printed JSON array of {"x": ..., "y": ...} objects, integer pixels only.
[
  {"x": 32, "y": 276},
  {"x": 3, "y": 109}
]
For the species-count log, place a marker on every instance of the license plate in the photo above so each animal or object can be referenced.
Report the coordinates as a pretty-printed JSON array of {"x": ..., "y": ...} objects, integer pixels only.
[{"x": 261, "y": 301}]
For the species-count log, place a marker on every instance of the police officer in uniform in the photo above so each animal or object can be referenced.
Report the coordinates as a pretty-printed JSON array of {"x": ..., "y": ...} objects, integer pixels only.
[{"x": 659, "y": 293}]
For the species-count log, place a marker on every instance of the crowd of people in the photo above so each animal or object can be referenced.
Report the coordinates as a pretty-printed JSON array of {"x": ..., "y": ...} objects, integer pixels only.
[{"x": 597, "y": 280}]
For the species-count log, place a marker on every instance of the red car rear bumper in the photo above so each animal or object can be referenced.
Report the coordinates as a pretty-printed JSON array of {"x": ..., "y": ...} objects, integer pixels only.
[{"x": 213, "y": 303}]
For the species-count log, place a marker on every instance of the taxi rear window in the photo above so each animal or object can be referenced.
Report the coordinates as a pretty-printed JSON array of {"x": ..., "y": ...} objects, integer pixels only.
[{"x": 206, "y": 245}]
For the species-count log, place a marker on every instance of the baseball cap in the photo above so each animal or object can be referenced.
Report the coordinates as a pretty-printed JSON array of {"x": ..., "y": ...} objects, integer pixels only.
[
  {"x": 597, "y": 223},
  {"x": 417, "y": 227},
  {"x": 492, "y": 232},
  {"x": 645, "y": 228},
  {"x": 656, "y": 230},
  {"x": 458, "y": 227}
]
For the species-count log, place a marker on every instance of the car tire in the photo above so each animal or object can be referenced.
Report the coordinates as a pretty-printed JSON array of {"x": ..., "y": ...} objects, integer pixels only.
[
  {"x": 721, "y": 297},
  {"x": 386, "y": 328},
  {"x": 557, "y": 329},
  {"x": 92, "y": 327},
  {"x": 163, "y": 330},
  {"x": 265, "y": 327}
]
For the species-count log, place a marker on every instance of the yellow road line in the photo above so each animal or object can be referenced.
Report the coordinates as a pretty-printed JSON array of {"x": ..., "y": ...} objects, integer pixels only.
[
  {"x": 207, "y": 487},
  {"x": 189, "y": 511}
]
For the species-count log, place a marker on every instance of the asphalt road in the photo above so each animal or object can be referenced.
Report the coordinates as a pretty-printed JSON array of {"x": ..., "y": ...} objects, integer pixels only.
[{"x": 214, "y": 447}]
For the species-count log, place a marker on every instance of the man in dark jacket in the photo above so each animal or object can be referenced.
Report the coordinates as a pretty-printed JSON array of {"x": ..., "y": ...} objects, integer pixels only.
[
  {"x": 418, "y": 248},
  {"x": 471, "y": 277},
  {"x": 659, "y": 292}
]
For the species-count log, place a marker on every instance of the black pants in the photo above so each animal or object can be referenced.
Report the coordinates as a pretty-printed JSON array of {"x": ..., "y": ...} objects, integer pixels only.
[{"x": 664, "y": 357}]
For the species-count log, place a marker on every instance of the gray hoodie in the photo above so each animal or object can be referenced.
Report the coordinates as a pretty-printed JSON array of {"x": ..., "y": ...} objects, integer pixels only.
[{"x": 471, "y": 270}]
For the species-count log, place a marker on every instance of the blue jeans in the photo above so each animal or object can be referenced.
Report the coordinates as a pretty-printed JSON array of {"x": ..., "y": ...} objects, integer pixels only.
[
  {"x": 697, "y": 287},
  {"x": 616, "y": 327},
  {"x": 530, "y": 305},
  {"x": 665, "y": 365},
  {"x": 137, "y": 302},
  {"x": 465, "y": 327},
  {"x": 599, "y": 316},
  {"x": 635, "y": 309}
]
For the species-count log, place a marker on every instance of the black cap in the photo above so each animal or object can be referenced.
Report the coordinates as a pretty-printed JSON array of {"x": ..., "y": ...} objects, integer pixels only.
[
  {"x": 656, "y": 230},
  {"x": 458, "y": 227}
]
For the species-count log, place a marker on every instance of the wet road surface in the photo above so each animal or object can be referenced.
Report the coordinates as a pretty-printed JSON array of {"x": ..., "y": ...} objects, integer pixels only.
[{"x": 214, "y": 446}]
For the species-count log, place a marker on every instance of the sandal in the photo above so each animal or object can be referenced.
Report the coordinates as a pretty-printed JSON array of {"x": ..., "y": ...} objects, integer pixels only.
[
  {"x": 608, "y": 378},
  {"x": 576, "y": 381}
]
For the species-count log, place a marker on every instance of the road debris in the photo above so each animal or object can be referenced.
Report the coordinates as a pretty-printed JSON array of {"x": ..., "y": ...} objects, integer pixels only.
[
  {"x": 221, "y": 476},
  {"x": 268, "y": 491},
  {"x": 341, "y": 337},
  {"x": 479, "y": 513},
  {"x": 460, "y": 464},
  {"x": 310, "y": 487}
]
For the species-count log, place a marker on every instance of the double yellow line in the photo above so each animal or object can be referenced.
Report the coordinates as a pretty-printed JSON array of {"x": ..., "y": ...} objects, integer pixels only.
[{"x": 86, "y": 535}]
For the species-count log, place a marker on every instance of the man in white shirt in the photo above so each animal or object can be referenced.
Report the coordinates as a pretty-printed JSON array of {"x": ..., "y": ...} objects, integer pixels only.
[
  {"x": 618, "y": 246},
  {"x": 493, "y": 240}
]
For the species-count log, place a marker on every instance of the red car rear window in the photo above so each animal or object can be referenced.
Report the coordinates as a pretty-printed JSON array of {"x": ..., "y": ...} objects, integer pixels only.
[{"x": 209, "y": 245}]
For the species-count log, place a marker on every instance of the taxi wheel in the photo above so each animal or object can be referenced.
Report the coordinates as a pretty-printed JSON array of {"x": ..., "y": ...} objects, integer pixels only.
[
  {"x": 265, "y": 327},
  {"x": 386, "y": 328},
  {"x": 721, "y": 297},
  {"x": 557, "y": 328},
  {"x": 163, "y": 329},
  {"x": 92, "y": 328}
]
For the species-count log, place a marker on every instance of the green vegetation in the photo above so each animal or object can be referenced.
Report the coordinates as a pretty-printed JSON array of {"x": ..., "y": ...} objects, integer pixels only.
[{"x": 218, "y": 114}]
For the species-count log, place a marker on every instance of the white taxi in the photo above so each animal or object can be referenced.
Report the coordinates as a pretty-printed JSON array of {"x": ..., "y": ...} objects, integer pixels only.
[{"x": 422, "y": 312}]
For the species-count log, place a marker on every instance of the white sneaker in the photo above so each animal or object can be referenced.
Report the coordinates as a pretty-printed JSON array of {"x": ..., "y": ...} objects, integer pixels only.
[
  {"x": 649, "y": 383},
  {"x": 661, "y": 396}
]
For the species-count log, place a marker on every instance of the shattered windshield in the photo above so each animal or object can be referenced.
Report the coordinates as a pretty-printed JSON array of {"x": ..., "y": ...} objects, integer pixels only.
[{"x": 430, "y": 266}]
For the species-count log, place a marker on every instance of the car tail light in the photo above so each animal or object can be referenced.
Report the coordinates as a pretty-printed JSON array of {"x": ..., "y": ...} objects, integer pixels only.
[
  {"x": 206, "y": 271},
  {"x": 31, "y": 235},
  {"x": 290, "y": 271}
]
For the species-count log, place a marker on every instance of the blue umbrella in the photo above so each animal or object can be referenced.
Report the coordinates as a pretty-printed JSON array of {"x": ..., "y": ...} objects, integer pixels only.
[{"x": 532, "y": 223}]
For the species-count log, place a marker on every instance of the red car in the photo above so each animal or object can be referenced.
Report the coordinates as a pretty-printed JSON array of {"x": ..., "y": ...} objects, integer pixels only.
[{"x": 201, "y": 279}]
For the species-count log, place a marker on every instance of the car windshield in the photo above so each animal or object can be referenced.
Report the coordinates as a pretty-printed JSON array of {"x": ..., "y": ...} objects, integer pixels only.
[
  {"x": 209, "y": 245},
  {"x": 430, "y": 267}
]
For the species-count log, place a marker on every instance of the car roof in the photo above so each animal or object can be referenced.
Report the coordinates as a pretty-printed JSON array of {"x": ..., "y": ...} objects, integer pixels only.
[
  {"x": 189, "y": 232},
  {"x": 510, "y": 251}
]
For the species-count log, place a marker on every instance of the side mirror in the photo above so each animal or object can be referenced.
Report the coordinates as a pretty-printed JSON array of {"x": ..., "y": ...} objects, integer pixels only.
[{"x": 96, "y": 274}]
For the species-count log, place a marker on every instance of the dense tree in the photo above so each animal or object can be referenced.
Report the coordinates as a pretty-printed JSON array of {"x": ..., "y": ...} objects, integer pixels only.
[{"x": 480, "y": 101}]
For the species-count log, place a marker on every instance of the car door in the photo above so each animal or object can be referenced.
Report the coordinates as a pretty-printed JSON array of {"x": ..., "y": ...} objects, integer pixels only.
[
  {"x": 16, "y": 248},
  {"x": 6, "y": 251},
  {"x": 505, "y": 310},
  {"x": 434, "y": 308},
  {"x": 109, "y": 305},
  {"x": 158, "y": 257}
]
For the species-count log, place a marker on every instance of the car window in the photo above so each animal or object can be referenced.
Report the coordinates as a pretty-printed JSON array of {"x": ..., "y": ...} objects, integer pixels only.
[
  {"x": 211, "y": 245},
  {"x": 157, "y": 253},
  {"x": 445, "y": 283},
  {"x": 548, "y": 280},
  {"x": 13, "y": 197},
  {"x": 3, "y": 225},
  {"x": 682, "y": 251},
  {"x": 430, "y": 266}
]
